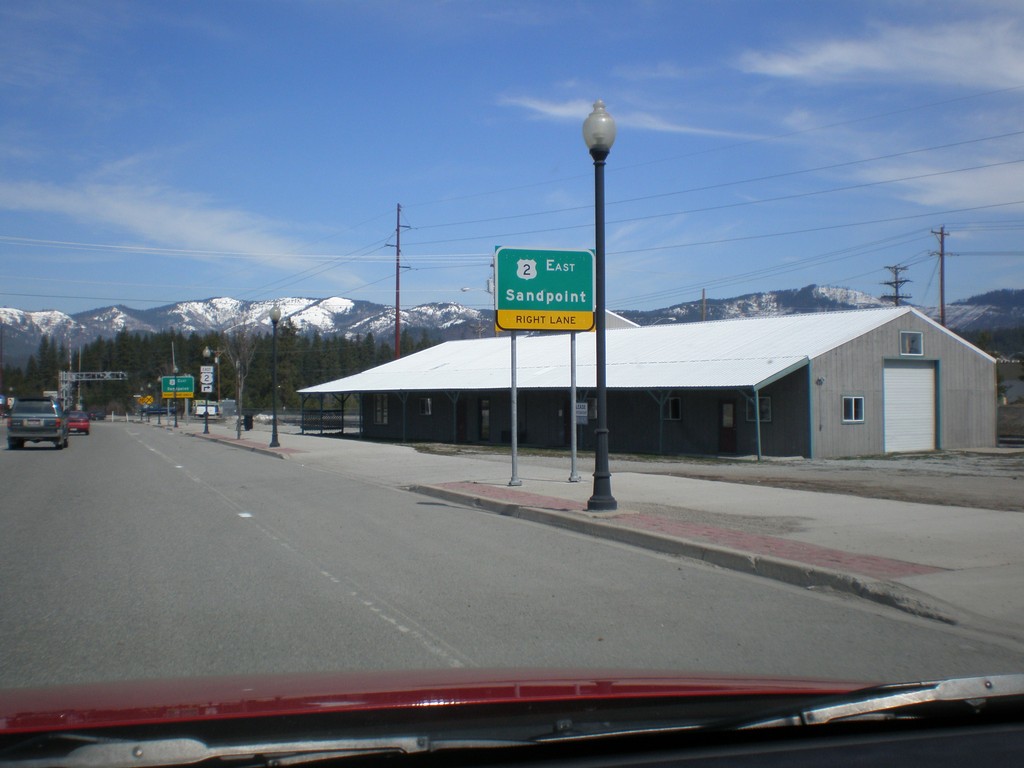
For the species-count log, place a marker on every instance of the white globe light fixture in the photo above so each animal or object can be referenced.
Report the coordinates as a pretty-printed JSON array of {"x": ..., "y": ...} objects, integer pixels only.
[{"x": 599, "y": 129}]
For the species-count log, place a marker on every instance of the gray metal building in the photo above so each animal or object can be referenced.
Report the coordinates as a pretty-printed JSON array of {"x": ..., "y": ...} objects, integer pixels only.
[{"x": 823, "y": 385}]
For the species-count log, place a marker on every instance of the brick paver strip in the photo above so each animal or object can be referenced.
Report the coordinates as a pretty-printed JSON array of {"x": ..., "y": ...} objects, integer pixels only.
[{"x": 774, "y": 546}]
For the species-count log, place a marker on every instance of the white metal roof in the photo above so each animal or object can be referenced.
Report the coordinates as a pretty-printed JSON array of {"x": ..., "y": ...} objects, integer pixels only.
[{"x": 743, "y": 352}]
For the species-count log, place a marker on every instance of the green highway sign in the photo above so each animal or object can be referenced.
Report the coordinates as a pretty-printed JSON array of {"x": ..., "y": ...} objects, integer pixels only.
[
  {"x": 541, "y": 290},
  {"x": 181, "y": 387}
]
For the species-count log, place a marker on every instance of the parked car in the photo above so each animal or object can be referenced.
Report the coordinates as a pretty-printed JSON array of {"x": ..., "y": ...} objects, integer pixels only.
[
  {"x": 78, "y": 421},
  {"x": 36, "y": 420},
  {"x": 152, "y": 410}
]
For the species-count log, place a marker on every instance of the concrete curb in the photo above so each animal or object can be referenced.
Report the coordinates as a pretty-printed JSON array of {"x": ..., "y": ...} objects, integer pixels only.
[
  {"x": 235, "y": 444},
  {"x": 886, "y": 593}
]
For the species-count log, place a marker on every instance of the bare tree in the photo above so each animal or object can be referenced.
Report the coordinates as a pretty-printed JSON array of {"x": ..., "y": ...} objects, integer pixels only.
[{"x": 240, "y": 346}]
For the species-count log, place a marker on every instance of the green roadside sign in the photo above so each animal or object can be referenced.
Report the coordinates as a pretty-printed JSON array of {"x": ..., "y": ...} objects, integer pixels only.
[
  {"x": 542, "y": 290},
  {"x": 180, "y": 387}
]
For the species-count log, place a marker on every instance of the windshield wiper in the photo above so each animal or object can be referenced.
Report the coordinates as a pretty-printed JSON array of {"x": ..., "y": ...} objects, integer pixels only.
[
  {"x": 153, "y": 753},
  {"x": 884, "y": 702},
  {"x": 891, "y": 701}
]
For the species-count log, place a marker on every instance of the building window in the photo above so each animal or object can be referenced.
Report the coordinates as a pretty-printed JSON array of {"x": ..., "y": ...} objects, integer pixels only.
[
  {"x": 853, "y": 410},
  {"x": 765, "y": 406},
  {"x": 425, "y": 406},
  {"x": 674, "y": 410},
  {"x": 911, "y": 343},
  {"x": 484, "y": 433},
  {"x": 380, "y": 409}
]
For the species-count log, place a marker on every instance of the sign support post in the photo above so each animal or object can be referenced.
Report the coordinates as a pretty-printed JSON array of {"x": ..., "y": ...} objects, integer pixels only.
[
  {"x": 574, "y": 475},
  {"x": 515, "y": 481},
  {"x": 543, "y": 290}
]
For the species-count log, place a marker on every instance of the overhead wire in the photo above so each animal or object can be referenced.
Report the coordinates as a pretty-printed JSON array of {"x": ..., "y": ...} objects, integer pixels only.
[
  {"x": 724, "y": 184},
  {"x": 333, "y": 261},
  {"x": 734, "y": 145},
  {"x": 493, "y": 236},
  {"x": 778, "y": 269}
]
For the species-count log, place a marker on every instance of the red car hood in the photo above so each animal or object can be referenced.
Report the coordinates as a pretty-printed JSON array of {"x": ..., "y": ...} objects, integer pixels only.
[{"x": 24, "y": 710}]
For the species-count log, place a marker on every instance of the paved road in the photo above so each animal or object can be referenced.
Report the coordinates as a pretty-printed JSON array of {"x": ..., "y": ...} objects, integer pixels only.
[{"x": 142, "y": 552}]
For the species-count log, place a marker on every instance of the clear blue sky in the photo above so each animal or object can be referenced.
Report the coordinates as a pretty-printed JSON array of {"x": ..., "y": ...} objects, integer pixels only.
[{"x": 157, "y": 151}]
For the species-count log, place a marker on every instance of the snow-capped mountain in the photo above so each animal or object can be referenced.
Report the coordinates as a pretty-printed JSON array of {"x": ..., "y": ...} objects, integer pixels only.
[
  {"x": 328, "y": 316},
  {"x": 812, "y": 298},
  {"x": 445, "y": 321},
  {"x": 22, "y": 330},
  {"x": 46, "y": 321},
  {"x": 998, "y": 309}
]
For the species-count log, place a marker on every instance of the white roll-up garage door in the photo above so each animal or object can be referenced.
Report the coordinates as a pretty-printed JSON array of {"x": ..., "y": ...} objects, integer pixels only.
[{"x": 909, "y": 406}]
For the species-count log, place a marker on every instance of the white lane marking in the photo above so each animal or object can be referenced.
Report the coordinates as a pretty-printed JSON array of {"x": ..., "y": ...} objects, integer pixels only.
[
  {"x": 393, "y": 616},
  {"x": 404, "y": 624}
]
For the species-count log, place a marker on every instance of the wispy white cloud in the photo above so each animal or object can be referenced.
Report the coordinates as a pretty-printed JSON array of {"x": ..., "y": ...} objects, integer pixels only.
[
  {"x": 928, "y": 186},
  {"x": 156, "y": 215},
  {"x": 987, "y": 54},
  {"x": 556, "y": 110},
  {"x": 44, "y": 44},
  {"x": 578, "y": 109}
]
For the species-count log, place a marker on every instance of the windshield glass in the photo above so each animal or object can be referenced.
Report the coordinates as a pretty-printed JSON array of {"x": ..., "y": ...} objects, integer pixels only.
[
  {"x": 35, "y": 406},
  {"x": 614, "y": 337}
]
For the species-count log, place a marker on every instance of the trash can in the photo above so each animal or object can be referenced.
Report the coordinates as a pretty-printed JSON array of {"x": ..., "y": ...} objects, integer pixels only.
[{"x": 247, "y": 421}]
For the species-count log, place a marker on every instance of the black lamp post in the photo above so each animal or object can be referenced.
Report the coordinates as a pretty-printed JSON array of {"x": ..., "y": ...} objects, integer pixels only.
[
  {"x": 275, "y": 318},
  {"x": 206, "y": 408},
  {"x": 174, "y": 402},
  {"x": 599, "y": 134}
]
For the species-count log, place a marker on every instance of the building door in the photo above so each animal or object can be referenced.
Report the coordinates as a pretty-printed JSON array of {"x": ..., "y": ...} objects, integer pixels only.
[
  {"x": 727, "y": 426},
  {"x": 909, "y": 406},
  {"x": 483, "y": 420},
  {"x": 460, "y": 421}
]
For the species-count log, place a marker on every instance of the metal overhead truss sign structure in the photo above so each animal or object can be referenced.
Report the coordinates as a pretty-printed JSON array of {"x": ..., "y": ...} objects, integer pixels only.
[
  {"x": 69, "y": 378},
  {"x": 541, "y": 290}
]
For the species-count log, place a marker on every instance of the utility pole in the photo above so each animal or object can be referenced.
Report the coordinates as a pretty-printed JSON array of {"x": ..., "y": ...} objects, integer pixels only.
[
  {"x": 896, "y": 283},
  {"x": 398, "y": 280},
  {"x": 941, "y": 234}
]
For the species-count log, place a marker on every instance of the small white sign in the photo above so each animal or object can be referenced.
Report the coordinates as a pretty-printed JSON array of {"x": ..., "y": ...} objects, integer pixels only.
[{"x": 581, "y": 413}]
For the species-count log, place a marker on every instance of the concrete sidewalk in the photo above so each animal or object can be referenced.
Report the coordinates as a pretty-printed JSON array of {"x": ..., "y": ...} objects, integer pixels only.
[{"x": 955, "y": 564}]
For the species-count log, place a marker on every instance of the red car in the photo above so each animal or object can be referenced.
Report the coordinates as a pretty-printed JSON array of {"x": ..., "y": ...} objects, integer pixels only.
[{"x": 78, "y": 421}]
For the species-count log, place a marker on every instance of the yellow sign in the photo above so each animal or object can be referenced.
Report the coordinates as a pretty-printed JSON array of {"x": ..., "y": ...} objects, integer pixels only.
[
  {"x": 147, "y": 400},
  {"x": 526, "y": 320}
]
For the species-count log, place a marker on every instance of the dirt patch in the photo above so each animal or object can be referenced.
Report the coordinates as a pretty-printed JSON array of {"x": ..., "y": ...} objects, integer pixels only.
[
  {"x": 765, "y": 526},
  {"x": 990, "y": 480}
]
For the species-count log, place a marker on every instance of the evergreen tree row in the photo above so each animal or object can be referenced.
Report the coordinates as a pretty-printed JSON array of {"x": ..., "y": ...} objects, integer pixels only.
[{"x": 302, "y": 361}]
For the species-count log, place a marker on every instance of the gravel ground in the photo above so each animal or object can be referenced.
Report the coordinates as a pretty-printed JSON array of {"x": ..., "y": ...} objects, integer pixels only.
[
  {"x": 982, "y": 479},
  {"x": 991, "y": 479}
]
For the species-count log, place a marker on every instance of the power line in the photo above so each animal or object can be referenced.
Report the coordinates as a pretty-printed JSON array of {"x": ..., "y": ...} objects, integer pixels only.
[
  {"x": 726, "y": 206},
  {"x": 731, "y": 146},
  {"x": 778, "y": 269},
  {"x": 726, "y": 184}
]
